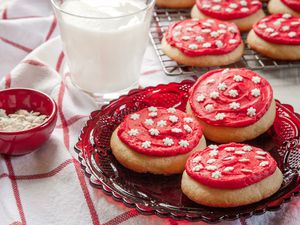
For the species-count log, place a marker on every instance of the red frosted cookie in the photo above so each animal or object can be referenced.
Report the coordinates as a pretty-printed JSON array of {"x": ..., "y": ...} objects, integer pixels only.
[
  {"x": 277, "y": 36},
  {"x": 232, "y": 104},
  {"x": 230, "y": 175},
  {"x": 244, "y": 13},
  {"x": 284, "y": 6},
  {"x": 205, "y": 42},
  {"x": 157, "y": 140}
]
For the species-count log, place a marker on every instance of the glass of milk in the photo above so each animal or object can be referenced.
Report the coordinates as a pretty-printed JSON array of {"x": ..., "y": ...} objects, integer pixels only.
[{"x": 104, "y": 42}]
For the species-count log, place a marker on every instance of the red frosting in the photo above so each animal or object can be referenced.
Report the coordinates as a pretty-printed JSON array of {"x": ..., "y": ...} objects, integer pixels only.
[
  {"x": 228, "y": 9},
  {"x": 279, "y": 29},
  {"x": 160, "y": 132},
  {"x": 230, "y": 97},
  {"x": 293, "y": 4},
  {"x": 203, "y": 37},
  {"x": 230, "y": 166}
]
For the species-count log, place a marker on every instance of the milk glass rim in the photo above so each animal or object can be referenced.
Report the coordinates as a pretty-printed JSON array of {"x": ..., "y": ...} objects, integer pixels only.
[{"x": 148, "y": 6}]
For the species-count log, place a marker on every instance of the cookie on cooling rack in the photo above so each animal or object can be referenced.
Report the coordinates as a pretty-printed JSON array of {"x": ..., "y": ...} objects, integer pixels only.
[
  {"x": 157, "y": 140},
  {"x": 232, "y": 105},
  {"x": 244, "y": 13},
  {"x": 277, "y": 36},
  {"x": 175, "y": 4},
  {"x": 203, "y": 43},
  {"x": 230, "y": 175},
  {"x": 284, "y": 6}
]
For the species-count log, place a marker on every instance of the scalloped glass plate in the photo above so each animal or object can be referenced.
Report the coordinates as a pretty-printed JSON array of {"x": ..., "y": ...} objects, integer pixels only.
[{"x": 161, "y": 195}]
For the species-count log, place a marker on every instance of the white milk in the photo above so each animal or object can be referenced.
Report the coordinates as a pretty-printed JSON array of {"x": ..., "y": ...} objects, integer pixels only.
[{"x": 104, "y": 55}]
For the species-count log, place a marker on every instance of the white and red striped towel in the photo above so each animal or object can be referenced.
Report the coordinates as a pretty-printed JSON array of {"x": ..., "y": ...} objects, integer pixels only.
[{"x": 48, "y": 186}]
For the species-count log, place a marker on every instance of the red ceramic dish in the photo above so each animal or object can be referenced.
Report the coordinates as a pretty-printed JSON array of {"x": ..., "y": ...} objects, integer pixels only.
[
  {"x": 162, "y": 195},
  {"x": 23, "y": 142}
]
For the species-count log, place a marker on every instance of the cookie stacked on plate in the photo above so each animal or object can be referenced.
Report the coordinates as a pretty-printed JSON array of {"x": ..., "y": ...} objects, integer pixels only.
[{"x": 225, "y": 106}]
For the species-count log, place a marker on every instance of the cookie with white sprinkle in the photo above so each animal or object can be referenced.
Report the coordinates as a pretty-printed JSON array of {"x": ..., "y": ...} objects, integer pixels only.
[
  {"x": 277, "y": 36},
  {"x": 205, "y": 42},
  {"x": 175, "y": 4},
  {"x": 157, "y": 140},
  {"x": 232, "y": 105},
  {"x": 244, "y": 13},
  {"x": 235, "y": 175},
  {"x": 284, "y": 6}
]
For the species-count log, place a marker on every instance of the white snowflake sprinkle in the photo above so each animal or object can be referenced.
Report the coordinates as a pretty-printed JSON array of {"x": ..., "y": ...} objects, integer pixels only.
[
  {"x": 216, "y": 174},
  {"x": 214, "y": 34},
  {"x": 186, "y": 38},
  {"x": 286, "y": 15},
  {"x": 200, "y": 98},
  {"x": 247, "y": 148},
  {"x": 232, "y": 29},
  {"x": 262, "y": 26},
  {"x": 222, "y": 86},
  {"x": 256, "y": 79},
  {"x": 228, "y": 169},
  {"x": 213, "y": 152},
  {"x": 207, "y": 24},
  {"x": 233, "y": 5},
  {"x": 149, "y": 122},
  {"x": 209, "y": 107},
  {"x": 193, "y": 46},
  {"x": 161, "y": 123},
  {"x": 178, "y": 27},
  {"x": 229, "y": 10},
  {"x": 228, "y": 158},
  {"x": 189, "y": 29},
  {"x": 255, "y": 92},
  {"x": 211, "y": 168},
  {"x": 176, "y": 130},
  {"x": 219, "y": 43},
  {"x": 274, "y": 34},
  {"x": 197, "y": 168},
  {"x": 216, "y": 7},
  {"x": 244, "y": 9},
  {"x": 214, "y": 95},
  {"x": 154, "y": 132},
  {"x": 232, "y": 41},
  {"x": 206, "y": 30},
  {"x": 197, "y": 159},
  {"x": 246, "y": 170},
  {"x": 239, "y": 152},
  {"x": 213, "y": 147},
  {"x": 260, "y": 157},
  {"x": 292, "y": 34},
  {"x": 269, "y": 30},
  {"x": 233, "y": 93},
  {"x": 171, "y": 110},
  {"x": 229, "y": 149},
  {"x": 234, "y": 105},
  {"x": 244, "y": 160},
  {"x": 206, "y": 45},
  {"x": 295, "y": 23},
  {"x": 184, "y": 143},
  {"x": 210, "y": 81},
  {"x": 251, "y": 112},
  {"x": 243, "y": 3},
  {"x": 152, "y": 109},
  {"x": 220, "y": 116},
  {"x": 199, "y": 38},
  {"x": 168, "y": 141},
  {"x": 146, "y": 144},
  {"x": 187, "y": 128},
  {"x": 221, "y": 25},
  {"x": 210, "y": 161},
  {"x": 222, "y": 31},
  {"x": 152, "y": 114},
  {"x": 133, "y": 132},
  {"x": 261, "y": 153},
  {"x": 173, "y": 119},
  {"x": 206, "y": 6},
  {"x": 264, "y": 163},
  {"x": 238, "y": 78},
  {"x": 176, "y": 34},
  {"x": 285, "y": 28},
  {"x": 188, "y": 119},
  {"x": 135, "y": 116},
  {"x": 225, "y": 71}
]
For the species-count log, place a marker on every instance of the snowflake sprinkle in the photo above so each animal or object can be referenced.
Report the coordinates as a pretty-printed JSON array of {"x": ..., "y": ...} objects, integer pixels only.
[
  {"x": 133, "y": 132},
  {"x": 171, "y": 110},
  {"x": 184, "y": 143},
  {"x": 161, "y": 123},
  {"x": 251, "y": 112},
  {"x": 154, "y": 132},
  {"x": 187, "y": 128},
  {"x": 173, "y": 118},
  {"x": 168, "y": 141},
  {"x": 146, "y": 144},
  {"x": 222, "y": 86},
  {"x": 255, "y": 92},
  {"x": 149, "y": 122},
  {"x": 220, "y": 116},
  {"x": 234, "y": 105},
  {"x": 135, "y": 116}
]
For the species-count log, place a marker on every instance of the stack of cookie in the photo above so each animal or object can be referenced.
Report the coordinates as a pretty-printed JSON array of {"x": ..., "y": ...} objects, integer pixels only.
[{"x": 226, "y": 106}]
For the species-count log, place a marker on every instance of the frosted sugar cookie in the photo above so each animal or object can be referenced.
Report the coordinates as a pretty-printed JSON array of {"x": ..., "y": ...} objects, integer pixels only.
[
  {"x": 244, "y": 13},
  {"x": 157, "y": 140},
  {"x": 232, "y": 105},
  {"x": 284, "y": 6},
  {"x": 206, "y": 42},
  {"x": 230, "y": 175}
]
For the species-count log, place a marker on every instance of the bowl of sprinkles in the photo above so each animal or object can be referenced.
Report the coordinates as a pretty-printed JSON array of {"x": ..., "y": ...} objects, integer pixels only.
[{"x": 27, "y": 119}]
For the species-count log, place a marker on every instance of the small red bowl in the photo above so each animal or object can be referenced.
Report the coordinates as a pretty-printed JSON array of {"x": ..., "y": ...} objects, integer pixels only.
[{"x": 26, "y": 141}]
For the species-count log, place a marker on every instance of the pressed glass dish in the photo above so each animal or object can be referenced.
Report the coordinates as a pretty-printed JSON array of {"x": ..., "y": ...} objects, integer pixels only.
[{"x": 161, "y": 195}]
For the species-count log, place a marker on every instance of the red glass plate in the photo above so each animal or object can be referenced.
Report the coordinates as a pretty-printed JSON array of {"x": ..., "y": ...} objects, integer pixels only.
[{"x": 161, "y": 195}]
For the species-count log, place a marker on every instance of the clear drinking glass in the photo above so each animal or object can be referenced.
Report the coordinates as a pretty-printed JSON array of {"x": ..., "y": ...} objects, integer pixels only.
[{"x": 104, "y": 42}]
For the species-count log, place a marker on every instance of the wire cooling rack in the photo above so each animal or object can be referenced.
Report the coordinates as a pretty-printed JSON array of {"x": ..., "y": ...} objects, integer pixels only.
[{"x": 251, "y": 59}]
